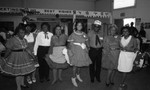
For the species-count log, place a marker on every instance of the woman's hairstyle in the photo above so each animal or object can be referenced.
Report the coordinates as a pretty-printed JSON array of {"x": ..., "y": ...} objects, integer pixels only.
[
  {"x": 113, "y": 26},
  {"x": 45, "y": 23},
  {"x": 33, "y": 27},
  {"x": 54, "y": 30},
  {"x": 128, "y": 28},
  {"x": 77, "y": 24},
  {"x": 27, "y": 25},
  {"x": 21, "y": 26}
]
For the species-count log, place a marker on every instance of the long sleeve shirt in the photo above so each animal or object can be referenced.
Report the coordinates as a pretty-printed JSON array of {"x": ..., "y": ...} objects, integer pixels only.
[{"x": 42, "y": 40}]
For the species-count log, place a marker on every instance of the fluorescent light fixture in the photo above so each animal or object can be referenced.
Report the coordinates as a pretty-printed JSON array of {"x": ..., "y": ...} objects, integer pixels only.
[{"x": 118, "y": 4}]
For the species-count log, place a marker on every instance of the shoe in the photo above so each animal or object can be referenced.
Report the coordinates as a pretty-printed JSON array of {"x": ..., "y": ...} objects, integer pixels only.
[
  {"x": 112, "y": 83},
  {"x": 24, "y": 86},
  {"x": 29, "y": 81},
  {"x": 74, "y": 82},
  {"x": 122, "y": 85},
  {"x": 92, "y": 80},
  {"x": 107, "y": 84},
  {"x": 33, "y": 80},
  {"x": 47, "y": 79},
  {"x": 53, "y": 82},
  {"x": 60, "y": 80},
  {"x": 79, "y": 78},
  {"x": 41, "y": 80},
  {"x": 98, "y": 80}
]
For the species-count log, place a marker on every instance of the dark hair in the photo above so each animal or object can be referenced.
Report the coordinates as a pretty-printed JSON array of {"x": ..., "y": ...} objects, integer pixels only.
[
  {"x": 128, "y": 28},
  {"x": 27, "y": 25},
  {"x": 77, "y": 24},
  {"x": 21, "y": 26},
  {"x": 45, "y": 23},
  {"x": 54, "y": 30},
  {"x": 33, "y": 27}
]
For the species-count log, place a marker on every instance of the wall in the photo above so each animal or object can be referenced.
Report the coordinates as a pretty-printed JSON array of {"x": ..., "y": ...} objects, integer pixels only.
[
  {"x": 103, "y": 5},
  {"x": 15, "y": 19},
  {"x": 141, "y": 10},
  {"x": 87, "y": 5},
  {"x": 62, "y": 4},
  {"x": 11, "y": 3}
]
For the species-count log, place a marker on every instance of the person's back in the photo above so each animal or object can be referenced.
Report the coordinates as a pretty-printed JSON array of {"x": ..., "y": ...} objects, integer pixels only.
[
  {"x": 133, "y": 29},
  {"x": 142, "y": 31}
]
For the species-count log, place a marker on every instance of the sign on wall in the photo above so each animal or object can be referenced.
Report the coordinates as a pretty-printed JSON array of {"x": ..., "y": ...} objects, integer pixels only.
[{"x": 56, "y": 11}]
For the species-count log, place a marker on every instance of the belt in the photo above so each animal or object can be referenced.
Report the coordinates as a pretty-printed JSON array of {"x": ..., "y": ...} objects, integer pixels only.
[
  {"x": 114, "y": 48},
  {"x": 19, "y": 50},
  {"x": 60, "y": 46},
  {"x": 96, "y": 48},
  {"x": 127, "y": 51},
  {"x": 44, "y": 46}
]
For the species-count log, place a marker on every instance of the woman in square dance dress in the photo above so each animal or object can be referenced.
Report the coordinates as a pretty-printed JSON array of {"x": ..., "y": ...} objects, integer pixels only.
[
  {"x": 129, "y": 46},
  {"x": 55, "y": 58},
  {"x": 78, "y": 48},
  {"x": 17, "y": 60}
]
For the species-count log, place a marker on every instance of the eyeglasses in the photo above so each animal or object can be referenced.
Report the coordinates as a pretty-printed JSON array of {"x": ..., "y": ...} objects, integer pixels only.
[{"x": 97, "y": 26}]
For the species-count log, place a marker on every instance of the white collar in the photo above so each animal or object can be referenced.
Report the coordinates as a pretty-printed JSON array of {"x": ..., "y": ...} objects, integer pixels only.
[{"x": 125, "y": 42}]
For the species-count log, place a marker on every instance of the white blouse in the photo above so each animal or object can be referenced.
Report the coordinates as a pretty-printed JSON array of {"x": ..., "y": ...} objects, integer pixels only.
[
  {"x": 41, "y": 40},
  {"x": 29, "y": 38}
]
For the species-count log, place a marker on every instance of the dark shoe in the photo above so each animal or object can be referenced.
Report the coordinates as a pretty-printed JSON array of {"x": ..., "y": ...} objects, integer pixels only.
[
  {"x": 98, "y": 80},
  {"x": 92, "y": 80},
  {"x": 47, "y": 79},
  {"x": 24, "y": 86},
  {"x": 41, "y": 80},
  {"x": 107, "y": 84},
  {"x": 112, "y": 83}
]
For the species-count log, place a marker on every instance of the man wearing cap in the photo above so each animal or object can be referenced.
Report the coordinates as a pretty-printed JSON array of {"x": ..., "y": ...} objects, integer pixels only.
[{"x": 95, "y": 50}]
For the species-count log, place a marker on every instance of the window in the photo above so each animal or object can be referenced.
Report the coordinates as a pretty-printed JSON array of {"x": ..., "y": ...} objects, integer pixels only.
[
  {"x": 118, "y": 4},
  {"x": 127, "y": 21}
]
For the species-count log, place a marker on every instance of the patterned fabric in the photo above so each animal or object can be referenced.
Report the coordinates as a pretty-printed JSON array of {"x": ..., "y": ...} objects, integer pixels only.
[
  {"x": 111, "y": 52},
  {"x": 18, "y": 62},
  {"x": 79, "y": 55}
]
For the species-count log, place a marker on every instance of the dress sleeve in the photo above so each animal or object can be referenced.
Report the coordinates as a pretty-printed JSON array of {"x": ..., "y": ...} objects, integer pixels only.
[
  {"x": 71, "y": 38},
  {"x": 10, "y": 44}
]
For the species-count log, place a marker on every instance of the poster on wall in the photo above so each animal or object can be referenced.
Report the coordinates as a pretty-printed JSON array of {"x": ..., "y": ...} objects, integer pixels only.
[{"x": 147, "y": 25}]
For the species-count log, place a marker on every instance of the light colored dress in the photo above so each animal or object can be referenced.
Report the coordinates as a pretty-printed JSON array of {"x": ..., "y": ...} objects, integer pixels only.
[
  {"x": 57, "y": 58},
  {"x": 79, "y": 56},
  {"x": 111, "y": 52},
  {"x": 126, "y": 58}
]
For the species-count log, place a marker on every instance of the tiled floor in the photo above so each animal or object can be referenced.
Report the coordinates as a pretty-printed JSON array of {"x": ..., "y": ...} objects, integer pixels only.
[{"x": 135, "y": 81}]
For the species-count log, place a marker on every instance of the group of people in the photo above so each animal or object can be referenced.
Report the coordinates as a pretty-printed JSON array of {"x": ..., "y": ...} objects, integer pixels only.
[{"x": 58, "y": 51}]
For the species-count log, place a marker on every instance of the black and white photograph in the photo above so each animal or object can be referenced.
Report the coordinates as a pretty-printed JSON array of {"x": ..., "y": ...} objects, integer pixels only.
[{"x": 74, "y": 45}]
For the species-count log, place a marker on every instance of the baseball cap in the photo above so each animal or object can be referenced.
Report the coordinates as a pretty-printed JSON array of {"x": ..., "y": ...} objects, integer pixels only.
[{"x": 97, "y": 22}]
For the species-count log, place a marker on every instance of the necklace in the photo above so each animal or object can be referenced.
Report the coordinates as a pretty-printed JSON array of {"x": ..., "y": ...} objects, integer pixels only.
[
  {"x": 22, "y": 42},
  {"x": 78, "y": 33}
]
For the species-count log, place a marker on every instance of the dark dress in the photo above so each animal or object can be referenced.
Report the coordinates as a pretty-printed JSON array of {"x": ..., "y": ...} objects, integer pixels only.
[
  {"x": 18, "y": 62},
  {"x": 110, "y": 52}
]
